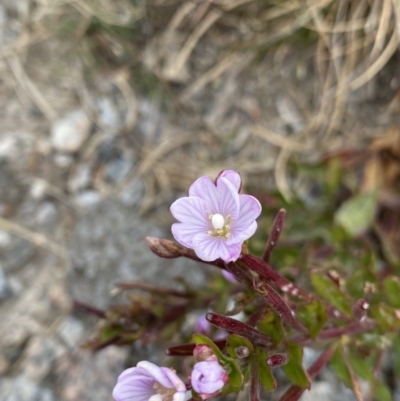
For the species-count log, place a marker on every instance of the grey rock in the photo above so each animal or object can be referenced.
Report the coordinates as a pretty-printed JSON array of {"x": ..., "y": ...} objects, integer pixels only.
[
  {"x": 88, "y": 199},
  {"x": 108, "y": 246},
  {"x": 22, "y": 388},
  {"x": 90, "y": 377},
  {"x": 118, "y": 169},
  {"x": 16, "y": 254},
  {"x": 319, "y": 391},
  {"x": 6, "y": 290},
  {"x": 11, "y": 191},
  {"x": 108, "y": 113},
  {"x": 133, "y": 194},
  {"x": 62, "y": 160},
  {"x": 40, "y": 355},
  {"x": 71, "y": 332},
  {"x": 69, "y": 133}
]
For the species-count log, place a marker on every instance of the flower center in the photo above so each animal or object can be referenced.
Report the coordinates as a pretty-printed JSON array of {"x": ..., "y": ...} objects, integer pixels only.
[
  {"x": 221, "y": 226},
  {"x": 218, "y": 221},
  {"x": 162, "y": 393}
]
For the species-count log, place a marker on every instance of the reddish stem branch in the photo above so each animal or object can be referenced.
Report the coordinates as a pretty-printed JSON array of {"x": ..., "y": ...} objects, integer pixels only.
[
  {"x": 254, "y": 382},
  {"x": 276, "y": 302},
  {"x": 267, "y": 272},
  {"x": 294, "y": 392},
  {"x": 242, "y": 329},
  {"x": 89, "y": 309},
  {"x": 137, "y": 285},
  {"x": 274, "y": 234},
  {"x": 328, "y": 334}
]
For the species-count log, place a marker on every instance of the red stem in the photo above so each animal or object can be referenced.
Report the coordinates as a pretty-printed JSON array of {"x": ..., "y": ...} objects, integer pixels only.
[
  {"x": 277, "y": 303},
  {"x": 274, "y": 234},
  {"x": 236, "y": 327},
  {"x": 254, "y": 382}
]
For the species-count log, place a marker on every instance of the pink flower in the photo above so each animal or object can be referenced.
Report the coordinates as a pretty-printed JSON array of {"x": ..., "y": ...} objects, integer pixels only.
[
  {"x": 215, "y": 219},
  {"x": 148, "y": 382},
  {"x": 208, "y": 377}
]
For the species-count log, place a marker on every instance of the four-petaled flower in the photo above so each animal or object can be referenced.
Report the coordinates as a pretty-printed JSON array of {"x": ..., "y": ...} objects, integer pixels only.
[
  {"x": 208, "y": 377},
  {"x": 215, "y": 220},
  {"x": 148, "y": 382}
]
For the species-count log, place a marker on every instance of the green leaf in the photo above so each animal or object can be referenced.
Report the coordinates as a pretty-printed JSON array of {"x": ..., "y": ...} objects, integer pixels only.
[
  {"x": 391, "y": 291},
  {"x": 314, "y": 316},
  {"x": 234, "y": 341},
  {"x": 386, "y": 317},
  {"x": 363, "y": 367},
  {"x": 355, "y": 284},
  {"x": 199, "y": 339},
  {"x": 381, "y": 392},
  {"x": 333, "y": 175},
  {"x": 357, "y": 213},
  {"x": 340, "y": 368},
  {"x": 235, "y": 382},
  {"x": 267, "y": 379},
  {"x": 271, "y": 325},
  {"x": 294, "y": 370},
  {"x": 328, "y": 290},
  {"x": 395, "y": 351}
]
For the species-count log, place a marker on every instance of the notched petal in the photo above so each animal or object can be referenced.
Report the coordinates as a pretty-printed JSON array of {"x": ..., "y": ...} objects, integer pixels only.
[{"x": 233, "y": 177}]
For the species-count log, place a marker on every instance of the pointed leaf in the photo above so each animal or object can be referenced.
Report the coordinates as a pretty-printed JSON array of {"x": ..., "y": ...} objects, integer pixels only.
[
  {"x": 340, "y": 368},
  {"x": 314, "y": 316},
  {"x": 267, "y": 379},
  {"x": 357, "y": 213},
  {"x": 391, "y": 291},
  {"x": 328, "y": 290},
  {"x": 271, "y": 325},
  {"x": 386, "y": 317},
  {"x": 381, "y": 392},
  {"x": 294, "y": 369}
]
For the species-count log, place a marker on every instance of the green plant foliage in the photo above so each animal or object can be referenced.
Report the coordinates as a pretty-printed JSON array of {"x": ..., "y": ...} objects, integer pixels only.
[
  {"x": 267, "y": 379},
  {"x": 391, "y": 291},
  {"x": 329, "y": 291},
  {"x": 294, "y": 369},
  {"x": 234, "y": 341},
  {"x": 339, "y": 366},
  {"x": 271, "y": 325},
  {"x": 386, "y": 317},
  {"x": 314, "y": 316},
  {"x": 357, "y": 213}
]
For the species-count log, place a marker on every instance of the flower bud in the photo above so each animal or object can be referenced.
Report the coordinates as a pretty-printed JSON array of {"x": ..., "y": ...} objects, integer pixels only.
[
  {"x": 359, "y": 309},
  {"x": 203, "y": 352},
  {"x": 274, "y": 361},
  {"x": 164, "y": 248},
  {"x": 242, "y": 352},
  {"x": 208, "y": 377}
]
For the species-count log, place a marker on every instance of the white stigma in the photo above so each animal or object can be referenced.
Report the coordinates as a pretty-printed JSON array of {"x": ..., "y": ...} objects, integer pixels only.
[{"x": 217, "y": 221}]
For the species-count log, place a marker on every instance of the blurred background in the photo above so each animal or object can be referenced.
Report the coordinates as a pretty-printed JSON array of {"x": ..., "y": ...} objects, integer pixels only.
[{"x": 111, "y": 108}]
